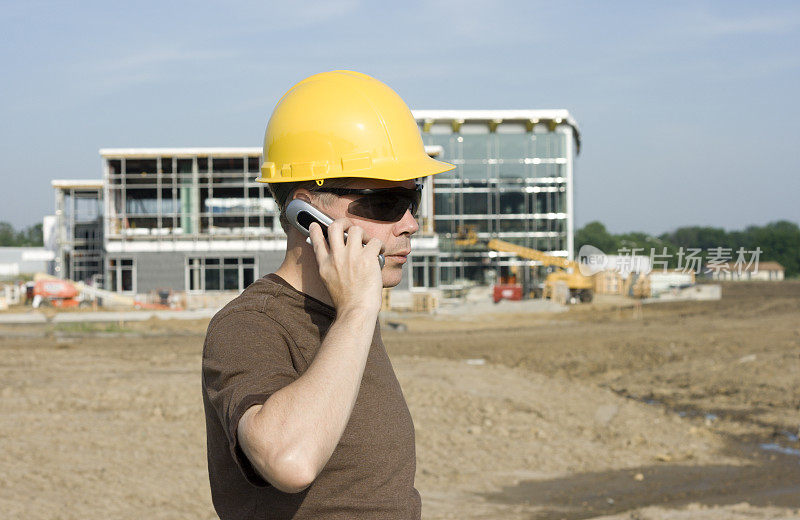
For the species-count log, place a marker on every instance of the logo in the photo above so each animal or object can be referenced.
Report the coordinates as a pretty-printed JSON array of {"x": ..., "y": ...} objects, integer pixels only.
[{"x": 591, "y": 260}]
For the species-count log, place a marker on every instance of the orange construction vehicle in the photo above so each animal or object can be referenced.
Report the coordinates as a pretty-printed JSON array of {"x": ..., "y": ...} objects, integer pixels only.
[{"x": 55, "y": 292}]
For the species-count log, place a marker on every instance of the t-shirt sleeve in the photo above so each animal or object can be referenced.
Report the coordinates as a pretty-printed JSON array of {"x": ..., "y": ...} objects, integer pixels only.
[{"x": 246, "y": 358}]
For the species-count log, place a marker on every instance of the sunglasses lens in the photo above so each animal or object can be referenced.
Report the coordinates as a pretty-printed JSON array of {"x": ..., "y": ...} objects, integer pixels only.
[{"x": 386, "y": 207}]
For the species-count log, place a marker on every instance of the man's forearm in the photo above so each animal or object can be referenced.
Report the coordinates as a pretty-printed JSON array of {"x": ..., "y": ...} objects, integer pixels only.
[{"x": 290, "y": 438}]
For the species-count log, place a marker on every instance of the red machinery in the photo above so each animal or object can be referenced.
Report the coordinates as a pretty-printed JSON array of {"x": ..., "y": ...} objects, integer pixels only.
[
  {"x": 507, "y": 292},
  {"x": 58, "y": 293}
]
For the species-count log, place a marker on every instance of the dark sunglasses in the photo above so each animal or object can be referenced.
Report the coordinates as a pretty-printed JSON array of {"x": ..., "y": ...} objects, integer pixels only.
[{"x": 383, "y": 204}]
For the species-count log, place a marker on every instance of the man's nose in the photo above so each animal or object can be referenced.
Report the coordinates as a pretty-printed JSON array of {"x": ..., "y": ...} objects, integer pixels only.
[{"x": 406, "y": 225}]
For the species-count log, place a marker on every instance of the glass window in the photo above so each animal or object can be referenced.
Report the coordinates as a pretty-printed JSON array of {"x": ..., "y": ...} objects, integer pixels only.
[
  {"x": 475, "y": 146},
  {"x": 169, "y": 205},
  {"x": 475, "y": 169},
  {"x": 423, "y": 272},
  {"x": 126, "y": 280},
  {"x": 444, "y": 140},
  {"x": 121, "y": 274},
  {"x": 228, "y": 164},
  {"x": 512, "y": 202},
  {"x": 220, "y": 274},
  {"x": 166, "y": 164},
  {"x": 447, "y": 275},
  {"x": 446, "y": 203},
  {"x": 539, "y": 202},
  {"x": 254, "y": 164},
  {"x": 212, "y": 282},
  {"x": 248, "y": 274},
  {"x": 195, "y": 269},
  {"x": 476, "y": 203},
  {"x": 516, "y": 224},
  {"x": 114, "y": 166},
  {"x": 512, "y": 168},
  {"x": 540, "y": 224},
  {"x": 549, "y": 146},
  {"x": 418, "y": 275},
  {"x": 139, "y": 166},
  {"x": 548, "y": 170},
  {"x": 513, "y": 146},
  {"x": 231, "y": 278},
  {"x": 445, "y": 226},
  {"x": 184, "y": 166},
  {"x": 141, "y": 201}
]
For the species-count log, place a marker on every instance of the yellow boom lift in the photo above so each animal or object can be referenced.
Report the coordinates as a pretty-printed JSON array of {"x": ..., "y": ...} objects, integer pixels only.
[{"x": 580, "y": 287}]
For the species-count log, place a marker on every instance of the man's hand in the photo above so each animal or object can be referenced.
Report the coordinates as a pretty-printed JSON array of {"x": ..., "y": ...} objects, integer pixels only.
[{"x": 350, "y": 271}]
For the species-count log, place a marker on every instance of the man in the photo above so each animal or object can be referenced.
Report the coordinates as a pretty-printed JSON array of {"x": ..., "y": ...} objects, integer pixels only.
[{"x": 304, "y": 415}]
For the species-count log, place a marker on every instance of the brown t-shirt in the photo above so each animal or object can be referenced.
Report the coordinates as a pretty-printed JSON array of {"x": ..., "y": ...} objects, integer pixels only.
[{"x": 262, "y": 341}]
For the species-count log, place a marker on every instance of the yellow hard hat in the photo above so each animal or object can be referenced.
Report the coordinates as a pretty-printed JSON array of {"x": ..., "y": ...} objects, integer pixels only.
[{"x": 344, "y": 124}]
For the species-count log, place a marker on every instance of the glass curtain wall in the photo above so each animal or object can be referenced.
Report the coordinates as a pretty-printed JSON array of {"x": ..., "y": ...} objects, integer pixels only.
[{"x": 510, "y": 183}]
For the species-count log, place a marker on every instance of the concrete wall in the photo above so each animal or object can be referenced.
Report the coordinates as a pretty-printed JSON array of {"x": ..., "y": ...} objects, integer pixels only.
[{"x": 24, "y": 260}]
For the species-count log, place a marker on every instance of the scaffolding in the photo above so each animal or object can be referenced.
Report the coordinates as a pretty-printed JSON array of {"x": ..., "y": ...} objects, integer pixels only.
[{"x": 79, "y": 230}]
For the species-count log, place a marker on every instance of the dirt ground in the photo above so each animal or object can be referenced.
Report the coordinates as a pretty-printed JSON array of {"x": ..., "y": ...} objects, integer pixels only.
[{"x": 668, "y": 411}]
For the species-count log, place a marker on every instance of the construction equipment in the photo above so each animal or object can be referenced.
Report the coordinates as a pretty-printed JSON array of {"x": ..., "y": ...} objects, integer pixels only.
[
  {"x": 55, "y": 292},
  {"x": 581, "y": 288}
]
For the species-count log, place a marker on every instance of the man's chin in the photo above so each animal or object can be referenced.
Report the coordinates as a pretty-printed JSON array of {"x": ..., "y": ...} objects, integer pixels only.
[
  {"x": 388, "y": 284},
  {"x": 392, "y": 277}
]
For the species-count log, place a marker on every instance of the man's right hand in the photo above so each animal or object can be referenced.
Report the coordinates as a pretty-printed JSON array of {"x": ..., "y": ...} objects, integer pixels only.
[
  {"x": 350, "y": 271},
  {"x": 290, "y": 438}
]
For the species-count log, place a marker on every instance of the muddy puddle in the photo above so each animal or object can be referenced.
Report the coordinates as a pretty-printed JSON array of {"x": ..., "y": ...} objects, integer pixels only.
[{"x": 770, "y": 480}]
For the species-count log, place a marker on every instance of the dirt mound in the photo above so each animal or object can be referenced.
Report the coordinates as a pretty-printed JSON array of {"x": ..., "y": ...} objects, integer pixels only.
[
  {"x": 518, "y": 416},
  {"x": 482, "y": 427}
]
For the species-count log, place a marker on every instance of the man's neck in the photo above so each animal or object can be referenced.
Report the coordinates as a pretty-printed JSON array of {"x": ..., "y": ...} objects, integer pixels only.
[{"x": 299, "y": 269}]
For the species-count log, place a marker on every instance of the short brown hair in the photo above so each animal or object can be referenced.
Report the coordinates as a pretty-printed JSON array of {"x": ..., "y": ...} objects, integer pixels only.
[{"x": 282, "y": 193}]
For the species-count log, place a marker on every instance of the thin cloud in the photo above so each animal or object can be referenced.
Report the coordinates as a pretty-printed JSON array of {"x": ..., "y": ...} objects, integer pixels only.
[
  {"x": 772, "y": 24},
  {"x": 294, "y": 15},
  {"x": 145, "y": 66}
]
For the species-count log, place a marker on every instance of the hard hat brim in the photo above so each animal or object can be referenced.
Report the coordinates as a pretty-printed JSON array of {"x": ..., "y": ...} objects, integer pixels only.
[{"x": 384, "y": 170}]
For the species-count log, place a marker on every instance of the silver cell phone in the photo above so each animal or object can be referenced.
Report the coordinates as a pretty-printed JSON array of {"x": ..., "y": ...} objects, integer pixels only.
[{"x": 301, "y": 214}]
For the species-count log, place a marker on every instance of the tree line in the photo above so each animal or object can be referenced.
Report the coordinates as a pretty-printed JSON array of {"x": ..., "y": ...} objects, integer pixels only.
[
  {"x": 30, "y": 236},
  {"x": 778, "y": 241}
]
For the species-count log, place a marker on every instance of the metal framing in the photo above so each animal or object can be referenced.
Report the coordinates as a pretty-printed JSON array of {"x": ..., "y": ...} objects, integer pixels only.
[{"x": 79, "y": 236}]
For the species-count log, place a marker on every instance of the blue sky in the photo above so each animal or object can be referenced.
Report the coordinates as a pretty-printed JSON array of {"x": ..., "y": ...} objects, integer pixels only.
[{"x": 688, "y": 110}]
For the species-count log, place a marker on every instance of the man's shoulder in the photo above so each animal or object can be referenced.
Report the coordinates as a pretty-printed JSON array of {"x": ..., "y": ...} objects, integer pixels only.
[
  {"x": 252, "y": 319},
  {"x": 254, "y": 299}
]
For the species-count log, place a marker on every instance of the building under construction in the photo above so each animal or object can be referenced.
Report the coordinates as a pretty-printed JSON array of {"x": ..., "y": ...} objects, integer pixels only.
[{"x": 194, "y": 220}]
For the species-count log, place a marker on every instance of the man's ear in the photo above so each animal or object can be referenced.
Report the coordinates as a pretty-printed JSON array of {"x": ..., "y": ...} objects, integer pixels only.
[{"x": 302, "y": 194}]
